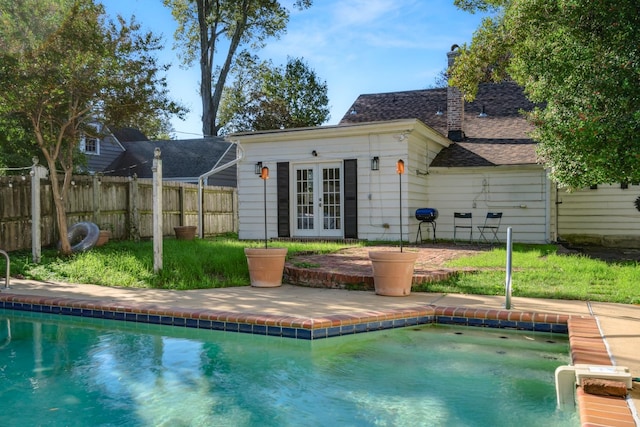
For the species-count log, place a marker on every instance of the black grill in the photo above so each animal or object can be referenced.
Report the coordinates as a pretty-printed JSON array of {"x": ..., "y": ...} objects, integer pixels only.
[{"x": 427, "y": 214}]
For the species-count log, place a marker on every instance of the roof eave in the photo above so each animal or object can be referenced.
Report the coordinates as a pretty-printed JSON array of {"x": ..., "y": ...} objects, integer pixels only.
[{"x": 345, "y": 130}]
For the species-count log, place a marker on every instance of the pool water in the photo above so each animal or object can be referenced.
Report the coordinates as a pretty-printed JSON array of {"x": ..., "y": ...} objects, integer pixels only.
[{"x": 65, "y": 371}]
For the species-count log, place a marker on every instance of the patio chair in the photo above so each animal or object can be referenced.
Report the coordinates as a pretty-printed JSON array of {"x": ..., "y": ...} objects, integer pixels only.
[
  {"x": 489, "y": 230},
  {"x": 463, "y": 221}
]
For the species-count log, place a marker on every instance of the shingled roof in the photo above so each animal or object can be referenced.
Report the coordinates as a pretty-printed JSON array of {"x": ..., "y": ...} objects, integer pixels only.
[
  {"x": 500, "y": 138},
  {"x": 182, "y": 160},
  {"x": 128, "y": 135}
]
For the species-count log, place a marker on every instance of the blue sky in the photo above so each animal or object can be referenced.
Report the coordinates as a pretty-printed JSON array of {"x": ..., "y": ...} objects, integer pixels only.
[{"x": 356, "y": 46}]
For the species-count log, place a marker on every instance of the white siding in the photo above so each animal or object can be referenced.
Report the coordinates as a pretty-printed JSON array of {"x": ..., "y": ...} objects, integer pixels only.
[
  {"x": 378, "y": 191},
  {"x": 521, "y": 194},
  {"x": 606, "y": 215}
]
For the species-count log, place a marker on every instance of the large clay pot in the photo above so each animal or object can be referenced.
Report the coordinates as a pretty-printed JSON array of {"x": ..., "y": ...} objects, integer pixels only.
[
  {"x": 266, "y": 266},
  {"x": 185, "y": 232},
  {"x": 392, "y": 272}
]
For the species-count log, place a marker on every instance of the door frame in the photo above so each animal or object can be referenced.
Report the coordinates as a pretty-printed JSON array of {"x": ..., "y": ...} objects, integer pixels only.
[{"x": 318, "y": 230}]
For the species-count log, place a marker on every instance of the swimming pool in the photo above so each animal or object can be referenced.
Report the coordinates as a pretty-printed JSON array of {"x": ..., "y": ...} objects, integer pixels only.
[{"x": 58, "y": 370}]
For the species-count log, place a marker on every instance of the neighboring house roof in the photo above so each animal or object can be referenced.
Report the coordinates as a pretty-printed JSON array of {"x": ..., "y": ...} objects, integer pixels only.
[
  {"x": 182, "y": 160},
  {"x": 500, "y": 138},
  {"x": 128, "y": 135}
]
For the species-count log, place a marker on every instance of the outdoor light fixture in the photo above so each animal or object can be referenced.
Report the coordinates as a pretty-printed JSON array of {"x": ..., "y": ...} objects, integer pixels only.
[
  {"x": 375, "y": 163},
  {"x": 439, "y": 112},
  {"x": 482, "y": 113},
  {"x": 258, "y": 168},
  {"x": 264, "y": 173},
  {"x": 314, "y": 153},
  {"x": 400, "y": 167}
]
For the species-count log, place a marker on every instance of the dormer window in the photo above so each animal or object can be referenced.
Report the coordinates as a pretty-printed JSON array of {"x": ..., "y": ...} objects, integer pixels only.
[{"x": 89, "y": 145}]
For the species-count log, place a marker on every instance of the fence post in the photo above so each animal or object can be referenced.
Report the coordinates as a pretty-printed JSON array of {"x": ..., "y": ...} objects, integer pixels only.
[
  {"x": 37, "y": 172},
  {"x": 182, "y": 196},
  {"x": 157, "y": 211},
  {"x": 96, "y": 199},
  {"x": 134, "y": 215}
]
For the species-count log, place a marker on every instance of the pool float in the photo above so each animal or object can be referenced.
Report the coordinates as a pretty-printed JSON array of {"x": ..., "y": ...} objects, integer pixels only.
[{"x": 87, "y": 232}]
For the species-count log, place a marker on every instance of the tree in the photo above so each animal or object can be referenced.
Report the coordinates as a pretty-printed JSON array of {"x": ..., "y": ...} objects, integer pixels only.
[
  {"x": 580, "y": 60},
  {"x": 85, "y": 71},
  {"x": 17, "y": 147},
  {"x": 201, "y": 26},
  {"x": 264, "y": 97}
]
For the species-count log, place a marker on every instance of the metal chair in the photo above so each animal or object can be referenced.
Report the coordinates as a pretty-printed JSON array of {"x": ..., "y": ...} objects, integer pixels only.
[
  {"x": 489, "y": 230},
  {"x": 464, "y": 221}
]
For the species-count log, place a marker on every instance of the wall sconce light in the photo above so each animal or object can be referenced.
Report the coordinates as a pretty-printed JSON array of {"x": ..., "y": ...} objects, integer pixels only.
[
  {"x": 258, "y": 168},
  {"x": 400, "y": 167},
  {"x": 482, "y": 113},
  {"x": 439, "y": 112},
  {"x": 314, "y": 153},
  {"x": 375, "y": 163}
]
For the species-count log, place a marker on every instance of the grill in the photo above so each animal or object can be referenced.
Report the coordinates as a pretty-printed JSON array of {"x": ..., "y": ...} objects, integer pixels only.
[{"x": 426, "y": 216}]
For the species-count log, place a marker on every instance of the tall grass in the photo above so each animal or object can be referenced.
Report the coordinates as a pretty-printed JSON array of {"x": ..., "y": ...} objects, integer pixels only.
[{"x": 186, "y": 264}]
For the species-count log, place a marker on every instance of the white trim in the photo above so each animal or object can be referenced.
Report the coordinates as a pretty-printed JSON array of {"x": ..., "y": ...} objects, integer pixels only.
[
  {"x": 401, "y": 127},
  {"x": 214, "y": 170}
]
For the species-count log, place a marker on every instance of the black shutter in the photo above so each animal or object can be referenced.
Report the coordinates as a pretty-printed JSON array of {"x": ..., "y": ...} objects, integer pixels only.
[
  {"x": 283, "y": 199},
  {"x": 351, "y": 199}
]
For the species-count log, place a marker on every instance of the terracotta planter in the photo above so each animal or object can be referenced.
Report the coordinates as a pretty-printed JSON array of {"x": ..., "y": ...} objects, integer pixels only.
[
  {"x": 392, "y": 272},
  {"x": 103, "y": 238},
  {"x": 266, "y": 266},
  {"x": 185, "y": 232}
]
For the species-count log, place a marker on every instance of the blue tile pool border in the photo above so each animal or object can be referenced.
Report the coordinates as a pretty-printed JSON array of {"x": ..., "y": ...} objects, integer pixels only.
[{"x": 287, "y": 326}]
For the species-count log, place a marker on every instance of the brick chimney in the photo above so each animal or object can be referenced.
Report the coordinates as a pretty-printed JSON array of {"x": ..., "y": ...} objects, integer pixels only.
[{"x": 455, "y": 103}]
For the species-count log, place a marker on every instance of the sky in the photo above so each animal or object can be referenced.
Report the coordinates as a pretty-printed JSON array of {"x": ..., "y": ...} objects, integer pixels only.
[{"x": 356, "y": 46}]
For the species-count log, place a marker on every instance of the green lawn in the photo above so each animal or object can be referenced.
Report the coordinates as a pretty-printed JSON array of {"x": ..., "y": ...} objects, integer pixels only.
[{"x": 538, "y": 271}]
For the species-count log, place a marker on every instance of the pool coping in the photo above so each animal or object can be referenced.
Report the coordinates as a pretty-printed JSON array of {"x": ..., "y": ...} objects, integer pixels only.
[{"x": 587, "y": 346}]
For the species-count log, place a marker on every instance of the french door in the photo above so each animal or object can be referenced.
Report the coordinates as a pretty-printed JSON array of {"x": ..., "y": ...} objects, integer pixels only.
[{"x": 318, "y": 200}]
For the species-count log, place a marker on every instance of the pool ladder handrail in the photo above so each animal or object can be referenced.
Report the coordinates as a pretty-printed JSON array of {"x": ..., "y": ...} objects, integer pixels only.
[{"x": 6, "y": 280}]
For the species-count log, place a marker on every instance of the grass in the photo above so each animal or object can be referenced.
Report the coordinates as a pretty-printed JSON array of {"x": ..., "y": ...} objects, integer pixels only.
[
  {"x": 186, "y": 264},
  {"x": 538, "y": 270}
]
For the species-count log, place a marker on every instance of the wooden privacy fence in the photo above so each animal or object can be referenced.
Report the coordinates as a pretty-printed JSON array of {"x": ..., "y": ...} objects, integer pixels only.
[{"x": 122, "y": 205}]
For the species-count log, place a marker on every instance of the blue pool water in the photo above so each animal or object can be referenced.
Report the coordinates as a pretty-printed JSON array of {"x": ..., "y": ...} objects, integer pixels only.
[{"x": 65, "y": 371}]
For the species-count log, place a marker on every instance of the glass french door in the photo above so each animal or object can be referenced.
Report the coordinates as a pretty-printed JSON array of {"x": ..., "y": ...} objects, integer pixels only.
[{"x": 318, "y": 200}]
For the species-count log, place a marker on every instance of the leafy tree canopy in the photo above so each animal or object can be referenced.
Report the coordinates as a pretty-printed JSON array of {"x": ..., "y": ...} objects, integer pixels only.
[
  {"x": 264, "y": 97},
  {"x": 206, "y": 27},
  {"x": 580, "y": 59},
  {"x": 82, "y": 71}
]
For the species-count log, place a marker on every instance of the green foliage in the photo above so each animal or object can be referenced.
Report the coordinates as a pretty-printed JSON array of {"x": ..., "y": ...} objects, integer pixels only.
[
  {"x": 187, "y": 264},
  {"x": 17, "y": 145},
  {"x": 77, "y": 71},
  {"x": 264, "y": 97},
  {"x": 581, "y": 60},
  {"x": 204, "y": 25}
]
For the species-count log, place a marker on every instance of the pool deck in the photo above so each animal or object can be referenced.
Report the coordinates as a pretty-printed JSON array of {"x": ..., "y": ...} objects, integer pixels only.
[{"x": 599, "y": 333}]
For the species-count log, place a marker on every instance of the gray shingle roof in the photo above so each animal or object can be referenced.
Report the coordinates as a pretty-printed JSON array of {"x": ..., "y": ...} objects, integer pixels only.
[
  {"x": 498, "y": 139},
  {"x": 128, "y": 135},
  {"x": 181, "y": 159}
]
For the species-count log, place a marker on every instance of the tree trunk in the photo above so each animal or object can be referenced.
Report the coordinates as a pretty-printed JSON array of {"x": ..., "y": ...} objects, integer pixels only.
[
  {"x": 206, "y": 70},
  {"x": 61, "y": 212}
]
